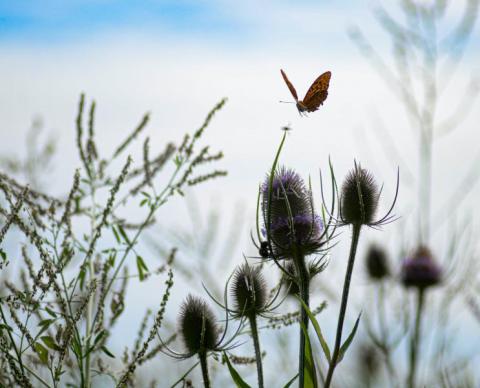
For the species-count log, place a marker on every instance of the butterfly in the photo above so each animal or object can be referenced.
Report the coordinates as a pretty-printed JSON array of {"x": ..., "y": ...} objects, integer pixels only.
[{"x": 316, "y": 94}]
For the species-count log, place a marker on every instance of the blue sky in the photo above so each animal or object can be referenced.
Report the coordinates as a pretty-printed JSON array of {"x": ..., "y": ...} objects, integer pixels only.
[
  {"x": 60, "y": 20},
  {"x": 242, "y": 23}
]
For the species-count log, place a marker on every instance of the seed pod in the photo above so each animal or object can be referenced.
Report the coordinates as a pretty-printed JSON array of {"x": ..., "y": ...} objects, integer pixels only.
[{"x": 197, "y": 325}]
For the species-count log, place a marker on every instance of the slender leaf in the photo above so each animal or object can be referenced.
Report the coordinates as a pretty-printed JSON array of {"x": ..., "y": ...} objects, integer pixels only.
[
  {"x": 235, "y": 376},
  {"x": 50, "y": 312},
  {"x": 50, "y": 342},
  {"x": 107, "y": 352},
  {"x": 348, "y": 341},
  {"x": 310, "y": 375},
  {"x": 115, "y": 233},
  {"x": 45, "y": 324},
  {"x": 123, "y": 233},
  {"x": 81, "y": 277},
  {"x": 142, "y": 268},
  {"x": 42, "y": 352},
  {"x": 291, "y": 381},
  {"x": 99, "y": 337},
  {"x": 318, "y": 331}
]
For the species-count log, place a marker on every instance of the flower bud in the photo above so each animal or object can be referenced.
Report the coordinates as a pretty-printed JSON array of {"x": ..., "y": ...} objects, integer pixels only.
[
  {"x": 377, "y": 263},
  {"x": 420, "y": 270}
]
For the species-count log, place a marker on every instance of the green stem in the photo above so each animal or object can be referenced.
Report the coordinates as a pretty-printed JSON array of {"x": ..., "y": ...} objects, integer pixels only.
[
  {"x": 343, "y": 306},
  {"x": 258, "y": 353},
  {"x": 91, "y": 300},
  {"x": 304, "y": 286},
  {"x": 415, "y": 341},
  {"x": 203, "y": 362},
  {"x": 17, "y": 351},
  {"x": 384, "y": 346},
  {"x": 182, "y": 378}
]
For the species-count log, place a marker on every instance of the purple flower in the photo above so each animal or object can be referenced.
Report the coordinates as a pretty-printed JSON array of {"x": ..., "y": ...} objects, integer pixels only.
[
  {"x": 290, "y": 222},
  {"x": 420, "y": 270}
]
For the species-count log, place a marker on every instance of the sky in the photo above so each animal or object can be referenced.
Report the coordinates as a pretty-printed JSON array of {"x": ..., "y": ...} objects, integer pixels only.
[{"x": 176, "y": 59}]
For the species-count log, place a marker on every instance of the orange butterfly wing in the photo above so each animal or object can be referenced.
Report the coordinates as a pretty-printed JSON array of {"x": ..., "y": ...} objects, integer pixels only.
[
  {"x": 318, "y": 92},
  {"x": 290, "y": 86}
]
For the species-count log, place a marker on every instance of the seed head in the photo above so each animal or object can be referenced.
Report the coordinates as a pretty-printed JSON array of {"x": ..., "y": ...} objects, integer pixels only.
[
  {"x": 249, "y": 290},
  {"x": 359, "y": 198},
  {"x": 197, "y": 325}
]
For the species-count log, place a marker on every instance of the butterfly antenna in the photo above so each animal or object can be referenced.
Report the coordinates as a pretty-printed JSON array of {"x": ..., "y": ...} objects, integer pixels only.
[{"x": 287, "y": 102}]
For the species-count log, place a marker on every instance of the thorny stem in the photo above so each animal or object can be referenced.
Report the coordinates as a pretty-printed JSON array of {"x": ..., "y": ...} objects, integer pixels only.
[
  {"x": 258, "y": 353},
  {"x": 343, "y": 306},
  {"x": 202, "y": 355},
  {"x": 304, "y": 286},
  {"x": 415, "y": 340}
]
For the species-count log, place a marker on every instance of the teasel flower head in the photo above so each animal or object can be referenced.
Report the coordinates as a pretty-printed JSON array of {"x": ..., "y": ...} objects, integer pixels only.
[
  {"x": 377, "y": 263},
  {"x": 248, "y": 290},
  {"x": 420, "y": 270},
  {"x": 359, "y": 199},
  {"x": 198, "y": 330},
  {"x": 197, "y": 325},
  {"x": 289, "y": 218}
]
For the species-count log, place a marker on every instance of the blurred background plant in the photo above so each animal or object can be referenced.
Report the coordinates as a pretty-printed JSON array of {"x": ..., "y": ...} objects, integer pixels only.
[{"x": 420, "y": 327}]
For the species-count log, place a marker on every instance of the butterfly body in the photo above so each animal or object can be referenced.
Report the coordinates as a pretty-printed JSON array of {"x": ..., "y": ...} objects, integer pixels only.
[{"x": 315, "y": 96}]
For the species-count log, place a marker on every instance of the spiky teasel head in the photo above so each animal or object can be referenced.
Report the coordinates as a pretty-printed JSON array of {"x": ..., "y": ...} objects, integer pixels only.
[
  {"x": 285, "y": 194},
  {"x": 197, "y": 326},
  {"x": 420, "y": 270},
  {"x": 377, "y": 262},
  {"x": 249, "y": 291},
  {"x": 199, "y": 331},
  {"x": 290, "y": 222},
  {"x": 359, "y": 199}
]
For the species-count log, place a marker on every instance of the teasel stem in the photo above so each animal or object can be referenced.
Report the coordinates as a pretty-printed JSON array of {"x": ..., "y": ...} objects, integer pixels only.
[
  {"x": 415, "y": 341},
  {"x": 343, "y": 306},
  {"x": 256, "y": 345},
  {"x": 304, "y": 287},
  {"x": 202, "y": 355}
]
